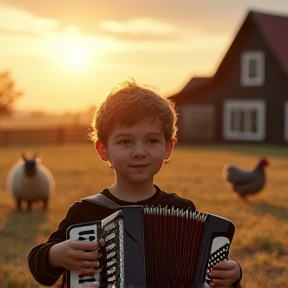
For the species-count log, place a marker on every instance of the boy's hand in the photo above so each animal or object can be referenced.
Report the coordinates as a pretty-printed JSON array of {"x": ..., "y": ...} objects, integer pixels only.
[
  {"x": 71, "y": 255},
  {"x": 224, "y": 274}
]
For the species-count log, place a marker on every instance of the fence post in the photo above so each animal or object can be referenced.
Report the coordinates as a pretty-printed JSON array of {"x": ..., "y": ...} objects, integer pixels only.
[{"x": 60, "y": 135}]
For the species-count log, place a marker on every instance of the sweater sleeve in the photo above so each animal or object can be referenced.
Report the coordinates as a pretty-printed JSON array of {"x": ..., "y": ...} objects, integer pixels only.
[
  {"x": 38, "y": 258},
  {"x": 39, "y": 265}
]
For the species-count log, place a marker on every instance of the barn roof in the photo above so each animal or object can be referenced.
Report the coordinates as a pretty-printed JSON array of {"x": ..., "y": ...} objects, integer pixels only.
[
  {"x": 273, "y": 28},
  {"x": 196, "y": 82}
]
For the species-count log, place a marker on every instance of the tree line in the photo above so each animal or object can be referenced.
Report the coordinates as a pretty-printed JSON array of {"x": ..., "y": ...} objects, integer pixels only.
[{"x": 8, "y": 93}]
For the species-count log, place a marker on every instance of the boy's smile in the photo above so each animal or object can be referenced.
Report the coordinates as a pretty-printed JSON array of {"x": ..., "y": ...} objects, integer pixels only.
[{"x": 140, "y": 168}]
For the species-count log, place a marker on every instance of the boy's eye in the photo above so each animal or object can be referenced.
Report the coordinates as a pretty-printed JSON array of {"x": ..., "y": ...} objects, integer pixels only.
[
  {"x": 153, "y": 141},
  {"x": 125, "y": 142}
]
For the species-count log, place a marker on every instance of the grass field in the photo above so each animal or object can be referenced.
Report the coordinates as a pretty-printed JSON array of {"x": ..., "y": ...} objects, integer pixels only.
[{"x": 260, "y": 243}]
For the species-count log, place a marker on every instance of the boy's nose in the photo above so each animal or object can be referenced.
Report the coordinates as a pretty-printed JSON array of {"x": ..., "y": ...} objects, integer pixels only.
[{"x": 139, "y": 151}]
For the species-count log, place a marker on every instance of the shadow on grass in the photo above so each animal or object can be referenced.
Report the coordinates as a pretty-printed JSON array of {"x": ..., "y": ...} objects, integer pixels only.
[
  {"x": 23, "y": 226},
  {"x": 266, "y": 244},
  {"x": 17, "y": 235},
  {"x": 266, "y": 208}
]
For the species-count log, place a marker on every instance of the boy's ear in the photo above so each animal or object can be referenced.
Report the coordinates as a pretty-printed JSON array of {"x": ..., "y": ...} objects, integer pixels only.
[
  {"x": 101, "y": 150},
  {"x": 169, "y": 148}
]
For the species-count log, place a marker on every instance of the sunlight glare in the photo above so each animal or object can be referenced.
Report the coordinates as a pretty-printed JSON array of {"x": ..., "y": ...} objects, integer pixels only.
[
  {"x": 77, "y": 56},
  {"x": 74, "y": 50},
  {"x": 77, "y": 52}
]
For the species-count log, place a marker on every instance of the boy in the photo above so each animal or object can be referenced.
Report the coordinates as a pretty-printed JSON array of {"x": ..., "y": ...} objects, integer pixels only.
[{"x": 134, "y": 133}]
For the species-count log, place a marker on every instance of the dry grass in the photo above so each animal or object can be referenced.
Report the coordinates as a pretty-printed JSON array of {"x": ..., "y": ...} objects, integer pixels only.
[{"x": 195, "y": 172}]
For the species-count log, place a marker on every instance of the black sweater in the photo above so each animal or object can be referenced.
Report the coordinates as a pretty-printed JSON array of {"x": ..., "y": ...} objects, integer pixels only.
[{"x": 84, "y": 211}]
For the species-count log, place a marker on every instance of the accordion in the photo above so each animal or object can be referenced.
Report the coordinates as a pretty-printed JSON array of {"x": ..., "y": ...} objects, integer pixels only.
[{"x": 154, "y": 247}]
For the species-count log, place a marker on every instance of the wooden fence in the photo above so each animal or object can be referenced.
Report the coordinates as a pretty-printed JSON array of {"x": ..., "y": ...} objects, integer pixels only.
[{"x": 44, "y": 136}]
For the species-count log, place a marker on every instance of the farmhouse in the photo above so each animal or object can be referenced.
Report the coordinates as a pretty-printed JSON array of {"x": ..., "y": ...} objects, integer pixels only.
[{"x": 247, "y": 98}]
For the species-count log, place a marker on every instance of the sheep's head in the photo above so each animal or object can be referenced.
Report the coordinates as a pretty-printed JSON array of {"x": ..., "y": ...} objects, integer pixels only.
[{"x": 30, "y": 165}]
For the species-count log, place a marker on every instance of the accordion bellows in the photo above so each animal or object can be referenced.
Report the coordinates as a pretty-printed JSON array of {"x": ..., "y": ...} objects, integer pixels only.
[{"x": 155, "y": 247}]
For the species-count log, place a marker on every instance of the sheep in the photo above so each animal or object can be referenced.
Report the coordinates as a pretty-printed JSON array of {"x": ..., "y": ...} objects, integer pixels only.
[{"x": 30, "y": 181}]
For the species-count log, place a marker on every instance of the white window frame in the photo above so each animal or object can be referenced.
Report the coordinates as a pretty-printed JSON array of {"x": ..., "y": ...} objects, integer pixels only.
[
  {"x": 246, "y": 58},
  {"x": 286, "y": 121},
  {"x": 247, "y": 106}
]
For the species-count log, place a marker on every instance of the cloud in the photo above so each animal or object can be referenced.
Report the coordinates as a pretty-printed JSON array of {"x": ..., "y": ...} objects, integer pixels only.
[
  {"x": 16, "y": 21},
  {"x": 136, "y": 26},
  {"x": 149, "y": 34},
  {"x": 23, "y": 33}
]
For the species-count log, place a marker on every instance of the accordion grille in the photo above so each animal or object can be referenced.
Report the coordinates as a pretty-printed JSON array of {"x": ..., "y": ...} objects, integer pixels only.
[{"x": 172, "y": 238}]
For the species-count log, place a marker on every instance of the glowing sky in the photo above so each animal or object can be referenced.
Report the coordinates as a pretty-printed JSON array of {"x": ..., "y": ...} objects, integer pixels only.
[{"x": 65, "y": 55}]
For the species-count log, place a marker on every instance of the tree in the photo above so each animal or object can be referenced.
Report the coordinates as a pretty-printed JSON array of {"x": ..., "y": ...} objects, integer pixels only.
[{"x": 8, "y": 93}]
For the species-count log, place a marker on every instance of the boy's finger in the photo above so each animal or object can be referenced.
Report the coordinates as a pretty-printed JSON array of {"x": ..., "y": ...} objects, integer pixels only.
[
  {"x": 220, "y": 283},
  {"x": 81, "y": 245},
  {"x": 220, "y": 274},
  {"x": 223, "y": 265}
]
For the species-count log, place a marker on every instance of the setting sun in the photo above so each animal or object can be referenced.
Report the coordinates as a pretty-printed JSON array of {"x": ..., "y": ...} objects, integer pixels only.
[
  {"x": 77, "y": 56},
  {"x": 74, "y": 50}
]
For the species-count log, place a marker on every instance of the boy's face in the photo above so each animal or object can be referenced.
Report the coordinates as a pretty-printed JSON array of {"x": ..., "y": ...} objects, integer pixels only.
[{"x": 137, "y": 152}]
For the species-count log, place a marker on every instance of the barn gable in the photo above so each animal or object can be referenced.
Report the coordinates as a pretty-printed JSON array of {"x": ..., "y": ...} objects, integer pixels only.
[{"x": 247, "y": 97}]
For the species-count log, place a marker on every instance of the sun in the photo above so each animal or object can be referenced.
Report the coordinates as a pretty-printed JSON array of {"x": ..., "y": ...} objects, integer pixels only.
[
  {"x": 74, "y": 50},
  {"x": 77, "y": 56}
]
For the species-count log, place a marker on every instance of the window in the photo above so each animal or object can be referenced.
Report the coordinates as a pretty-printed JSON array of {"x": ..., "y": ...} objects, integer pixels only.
[
  {"x": 252, "y": 68},
  {"x": 244, "y": 120}
]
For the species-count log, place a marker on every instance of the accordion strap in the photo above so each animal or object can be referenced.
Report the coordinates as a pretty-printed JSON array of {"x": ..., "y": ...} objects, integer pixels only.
[{"x": 102, "y": 200}]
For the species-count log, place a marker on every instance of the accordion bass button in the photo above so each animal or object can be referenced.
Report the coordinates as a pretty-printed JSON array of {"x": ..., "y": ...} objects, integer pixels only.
[{"x": 101, "y": 242}]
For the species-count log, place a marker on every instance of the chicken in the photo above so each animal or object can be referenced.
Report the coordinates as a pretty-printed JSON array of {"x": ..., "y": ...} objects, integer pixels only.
[{"x": 246, "y": 182}]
